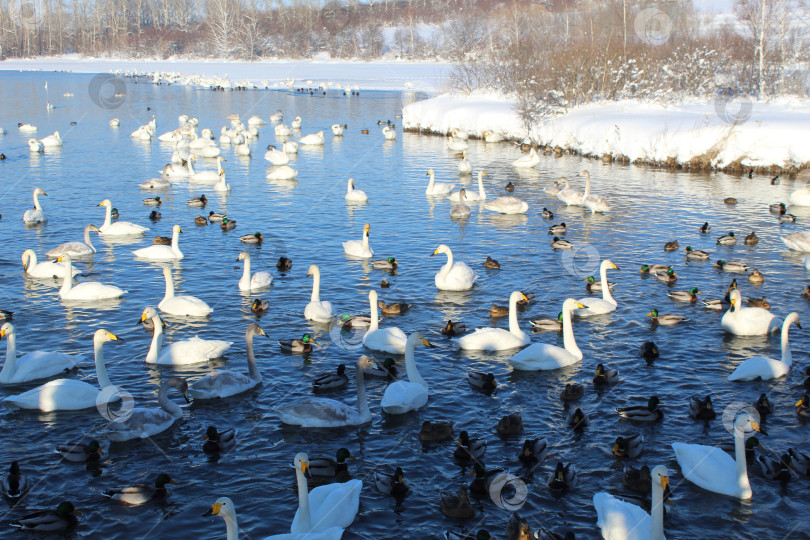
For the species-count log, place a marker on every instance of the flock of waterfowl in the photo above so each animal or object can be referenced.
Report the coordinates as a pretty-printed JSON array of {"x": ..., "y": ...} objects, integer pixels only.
[{"x": 328, "y": 509}]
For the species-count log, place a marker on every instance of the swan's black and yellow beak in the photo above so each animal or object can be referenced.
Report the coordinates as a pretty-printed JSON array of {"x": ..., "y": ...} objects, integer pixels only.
[{"x": 214, "y": 510}]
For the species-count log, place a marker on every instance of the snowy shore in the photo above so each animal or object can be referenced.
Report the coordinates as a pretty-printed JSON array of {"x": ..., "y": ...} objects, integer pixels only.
[{"x": 733, "y": 135}]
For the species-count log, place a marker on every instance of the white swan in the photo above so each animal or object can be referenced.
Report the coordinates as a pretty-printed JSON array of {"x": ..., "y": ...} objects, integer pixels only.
[
  {"x": 35, "y": 146},
  {"x": 142, "y": 422},
  {"x": 276, "y": 117},
  {"x": 70, "y": 394},
  {"x": 390, "y": 339},
  {"x": 359, "y": 248},
  {"x": 403, "y": 396},
  {"x": 28, "y": 128},
  {"x": 508, "y": 205},
  {"x": 621, "y": 520},
  {"x": 355, "y": 195},
  {"x": 178, "y": 170},
  {"x": 222, "y": 383},
  {"x": 471, "y": 195},
  {"x": 464, "y": 166},
  {"x": 317, "y": 310},
  {"x": 800, "y": 197},
  {"x": 527, "y": 161},
  {"x": 498, "y": 339},
  {"x": 87, "y": 290},
  {"x": 181, "y": 306},
  {"x": 284, "y": 172},
  {"x": 180, "y": 353},
  {"x": 749, "y": 321},
  {"x": 277, "y": 157},
  {"x": 290, "y": 147},
  {"x": 211, "y": 151},
  {"x": 207, "y": 176},
  {"x": 52, "y": 141},
  {"x": 799, "y": 241},
  {"x": 76, "y": 250},
  {"x": 242, "y": 149},
  {"x": 36, "y": 214},
  {"x": 460, "y": 210},
  {"x": 436, "y": 188},
  {"x": 283, "y": 130},
  {"x": 222, "y": 186},
  {"x": 119, "y": 228},
  {"x": 312, "y": 139},
  {"x": 454, "y": 275},
  {"x": 224, "y": 507},
  {"x": 596, "y": 203},
  {"x": 542, "y": 357},
  {"x": 44, "y": 269},
  {"x": 606, "y": 304},
  {"x": 155, "y": 183},
  {"x": 714, "y": 470},
  {"x": 389, "y": 133},
  {"x": 456, "y": 144},
  {"x": 163, "y": 252},
  {"x": 326, "y": 510},
  {"x": 318, "y": 412},
  {"x": 569, "y": 196},
  {"x": 259, "y": 280},
  {"x": 34, "y": 365},
  {"x": 760, "y": 367},
  {"x": 492, "y": 137},
  {"x": 296, "y": 123},
  {"x": 256, "y": 121}
]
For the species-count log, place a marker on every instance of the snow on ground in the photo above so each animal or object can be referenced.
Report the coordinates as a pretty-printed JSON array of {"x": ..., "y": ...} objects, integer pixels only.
[
  {"x": 429, "y": 77},
  {"x": 773, "y": 133}
]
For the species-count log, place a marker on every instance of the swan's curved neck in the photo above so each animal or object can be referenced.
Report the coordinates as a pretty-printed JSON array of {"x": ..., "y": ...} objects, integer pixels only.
[
  {"x": 350, "y": 185},
  {"x": 101, "y": 369},
  {"x": 481, "y": 193},
  {"x": 787, "y": 358},
  {"x": 362, "y": 400},
  {"x": 449, "y": 264},
  {"x": 304, "y": 523},
  {"x": 190, "y": 168},
  {"x": 568, "y": 335},
  {"x": 365, "y": 238},
  {"x": 108, "y": 216},
  {"x": 169, "y": 286},
  {"x": 166, "y": 404},
  {"x": 432, "y": 178},
  {"x": 36, "y": 201},
  {"x": 739, "y": 455},
  {"x": 10, "y": 366},
  {"x": 410, "y": 365},
  {"x": 220, "y": 170},
  {"x": 514, "y": 327},
  {"x": 253, "y": 369},
  {"x": 157, "y": 340},
  {"x": 246, "y": 271},
  {"x": 87, "y": 239},
  {"x": 605, "y": 289},
  {"x": 67, "y": 283},
  {"x": 316, "y": 286},
  {"x": 587, "y": 186},
  {"x": 375, "y": 323},
  {"x": 176, "y": 242},
  {"x": 657, "y": 511},
  {"x": 232, "y": 526}
]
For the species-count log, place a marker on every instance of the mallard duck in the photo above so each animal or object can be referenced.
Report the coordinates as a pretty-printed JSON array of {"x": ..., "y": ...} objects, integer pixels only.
[
  {"x": 284, "y": 264},
  {"x": 457, "y": 505},
  {"x": 517, "y": 528},
  {"x": 752, "y": 239},
  {"x": 491, "y": 263},
  {"x": 787, "y": 218},
  {"x": 218, "y": 441},
  {"x": 162, "y": 241},
  {"x": 453, "y": 328},
  {"x": 654, "y": 268},
  {"x": 558, "y": 229},
  {"x": 391, "y": 484},
  {"x": 671, "y": 246},
  {"x": 533, "y": 451},
  {"x": 665, "y": 320},
  {"x": 498, "y": 311},
  {"x": 114, "y": 214},
  {"x": 594, "y": 286},
  {"x": 466, "y": 448},
  {"x": 727, "y": 240},
  {"x": 802, "y": 406},
  {"x": 141, "y": 493},
  {"x": 605, "y": 376},
  {"x": 6, "y": 315},
  {"x": 799, "y": 461},
  {"x": 547, "y": 214},
  {"x": 259, "y": 306},
  {"x": 154, "y": 215},
  {"x": 255, "y": 238},
  {"x": 228, "y": 224},
  {"x": 49, "y": 521},
  {"x": 484, "y": 382},
  {"x": 439, "y": 430},
  {"x": 759, "y": 302},
  {"x": 643, "y": 413},
  {"x": 201, "y": 221},
  {"x": 547, "y": 324},
  {"x": 763, "y": 405},
  {"x": 557, "y": 243},
  {"x": 572, "y": 392},
  {"x": 331, "y": 381},
  {"x": 649, "y": 350},
  {"x": 705, "y": 228},
  {"x": 397, "y": 308},
  {"x": 511, "y": 424},
  {"x": 326, "y": 468},
  {"x": 78, "y": 452},
  {"x": 385, "y": 264},
  {"x": 152, "y": 201},
  {"x": 775, "y": 469},
  {"x": 695, "y": 254},
  {"x": 714, "y": 303},
  {"x": 731, "y": 266},
  {"x": 198, "y": 202},
  {"x": 483, "y": 478},
  {"x": 578, "y": 419},
  {"x": 806, "y": 291},
  {"x": 637, "y": 480},
  {"x": 510, "y": 187},
  {"x": 303, "y": 345},
  {"x": 730, "y": 200},
  {"x": 216, "y": 217},
  {"x": 628, "y": 447},
  {"x": 701, "y": 409},
  {"x": 386, "y": 369},
  {"x": 15, "y": 485},
  {"x": 563, "y": 478},
  {"x": 756, "y": 277},
  {"x": 779, "y": 208},
  {"x": 667, "y": 276},
  {"x": 685, "y": 296},
  {"x": 384, "y": 284}
]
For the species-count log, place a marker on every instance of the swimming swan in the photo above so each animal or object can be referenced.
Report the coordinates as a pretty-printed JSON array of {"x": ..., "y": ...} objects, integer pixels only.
[
  {"x": 606, "y": 304},
  {"x": 44, "y": 269},
  {"x": 119, "y": 228},
  {"x": 760, "y": 367},
  {"x": 359, "y": 248},
  {"x": 34, "y": 365},
  {"x": 36, "y": 214},
  {"x": 403, "y": 396},
  {"x": 317, "y": 310},
  {"x": 181, "y": 306},
  {"x": 76, "y": 250},
  {"x": 222, "y": 383},
  {"x": 454, "y": 275},
  {"x": 498, "y": 339},
  {"x": 471, "y": 195},
  {"x": 542, "y": 357},
  {"x": 620, "y": 519},
  {"x": 259, "y": 280},
  {"x": 143, "y": 422},
  {"x": 179, "y": 353},
  {"x": 391, "y": 339},
  {"x": 86, "y": 290},
  {"x": 163, "y": 252},
  {"x": 749, "y": 321}
]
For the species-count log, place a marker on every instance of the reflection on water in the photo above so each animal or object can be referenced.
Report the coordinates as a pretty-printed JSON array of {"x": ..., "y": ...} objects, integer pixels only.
[{"x": 307, "y": 219}]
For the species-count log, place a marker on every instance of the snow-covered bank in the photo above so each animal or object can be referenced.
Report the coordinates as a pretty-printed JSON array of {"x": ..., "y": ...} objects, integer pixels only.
[
  {"x": 429, "y": 77},
  {"x": 776, "y": 134}
]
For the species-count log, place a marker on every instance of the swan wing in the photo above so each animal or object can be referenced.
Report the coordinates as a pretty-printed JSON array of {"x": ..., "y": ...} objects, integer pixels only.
[
  {"x": 542, "y": 357},
  {"x": 333, "y": 533},
  {"x": 140, "y": 424},
  {"x": 261, "y": 279},
  {"x": 318, "y": 412},
  {"x": 59, "y": 395},
  {"x": 74, "y": 249},
  {"x": 41, "y": 365},
  {"x": 91, "y": 290},
  {"x": 596, "y": 306},
  {"x": 490, "y": 339},
  {"x": 708, "y": 467},
  {"x": 620, "y": 520},
  {"x": 460, "y": 278},
  {"x": 185, "y": 305},
  {"x": 192, "y": 351},
  {"x": 759, "y": 367},
  {"x": 156, "y": 253},
  {"x": 319, "y": 311},
  {"x": 122, "y": 228},
  {"x": 221, "y": 383},
  {"x": 333, "y": 505},
  {"x": 389, "y": 339},
  {"x": 403, "y": 396}
]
